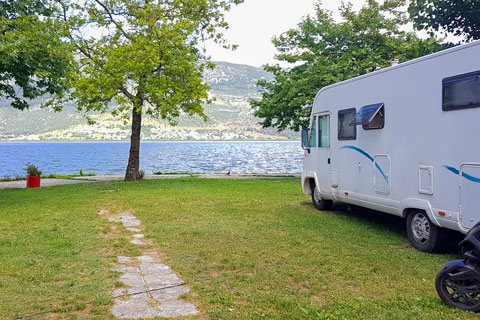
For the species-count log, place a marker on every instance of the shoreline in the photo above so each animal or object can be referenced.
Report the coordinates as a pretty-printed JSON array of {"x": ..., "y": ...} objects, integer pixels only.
[
  {"x": 49, "y": 182},
  {"x": 142, "y": 141}
]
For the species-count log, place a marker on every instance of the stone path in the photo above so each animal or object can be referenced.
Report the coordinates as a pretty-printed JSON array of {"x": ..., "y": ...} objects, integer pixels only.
[{"x": 152, "y": 289}]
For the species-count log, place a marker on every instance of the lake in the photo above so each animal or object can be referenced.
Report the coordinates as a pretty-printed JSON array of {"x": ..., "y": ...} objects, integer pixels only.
[{"x": 112, "y": 157}]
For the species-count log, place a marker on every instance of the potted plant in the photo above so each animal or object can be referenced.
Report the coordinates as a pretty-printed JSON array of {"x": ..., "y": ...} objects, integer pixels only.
[{"x": 33, "y": 176}]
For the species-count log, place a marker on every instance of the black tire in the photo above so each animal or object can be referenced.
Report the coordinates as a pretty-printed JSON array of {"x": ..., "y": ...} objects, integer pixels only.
[
  {"x": 462, "y": 294},
  {"x": 422, "y": 233},
  {"x": 318, "y": 202}
]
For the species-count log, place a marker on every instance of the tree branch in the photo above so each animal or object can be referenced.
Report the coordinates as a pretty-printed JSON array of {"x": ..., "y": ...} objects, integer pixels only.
[
  {"x": 126, "y": 93},
  {"x": 110, "y": 15}
]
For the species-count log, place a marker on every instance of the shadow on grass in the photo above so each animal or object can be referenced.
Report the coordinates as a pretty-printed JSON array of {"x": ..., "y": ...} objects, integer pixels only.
[{"x": 394, "y": 224}]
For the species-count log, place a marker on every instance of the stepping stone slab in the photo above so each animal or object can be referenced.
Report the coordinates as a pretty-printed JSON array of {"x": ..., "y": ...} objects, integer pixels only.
[
  {"x": 137, "y": 307},
  {"x": 124, "y": 259},
  {"x": 138, "y": 242},
  {"x": 146, "y": 278},
  {"x": 176, "y": 308}
]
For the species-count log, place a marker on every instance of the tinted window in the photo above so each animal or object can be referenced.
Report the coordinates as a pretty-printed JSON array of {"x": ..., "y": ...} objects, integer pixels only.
[
  {"x": 366, "y": 114},
  {"x": 462, "y": 91},
  {"x": 378, "y": 122},
  {"x": 305, "y": 138},
  {"x": 345, "y": 130},
  {"x": 324, "y": 131},
  {"x": 313, "y": 133}
]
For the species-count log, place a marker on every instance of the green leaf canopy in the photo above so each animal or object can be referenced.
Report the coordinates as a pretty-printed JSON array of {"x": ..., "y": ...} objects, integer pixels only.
[
  {"x": 143, "y": 54},
  {"x": 322, "y": 51},
  {"x": 461, "y": 18},
  {"x": 35, "y": 59},
  {"x": 141, "y": 57}
]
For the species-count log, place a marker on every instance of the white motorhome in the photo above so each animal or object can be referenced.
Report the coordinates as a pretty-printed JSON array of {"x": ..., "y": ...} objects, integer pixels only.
[{"x": 404, "y": 140}]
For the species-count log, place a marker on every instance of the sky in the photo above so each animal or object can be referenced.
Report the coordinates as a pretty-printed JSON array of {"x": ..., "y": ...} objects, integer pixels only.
[{"x": 254, "y": 23}]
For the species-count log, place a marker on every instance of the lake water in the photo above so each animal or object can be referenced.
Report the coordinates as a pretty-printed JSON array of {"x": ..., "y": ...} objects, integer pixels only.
[{"x": 112, "y": 157}]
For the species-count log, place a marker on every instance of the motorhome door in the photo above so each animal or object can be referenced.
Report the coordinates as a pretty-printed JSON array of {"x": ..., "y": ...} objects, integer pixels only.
[
  {"x": 321, "y": 154},
  {"x": 469, "y": 191}
]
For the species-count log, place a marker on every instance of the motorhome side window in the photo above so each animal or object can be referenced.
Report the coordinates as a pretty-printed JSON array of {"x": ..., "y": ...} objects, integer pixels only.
[
  {"x": 324, "y": 131},
  {"x": 313, "y": 133},
  {"x": 345, "y": 130},
  {"x": 378, "y": 122},
  {"x": 461, "y": 92},
  {"x": 370, "y": 117}
]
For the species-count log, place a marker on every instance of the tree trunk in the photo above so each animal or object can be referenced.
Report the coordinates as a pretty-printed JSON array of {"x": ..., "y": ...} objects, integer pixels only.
[{"x": 133, "y": 167}]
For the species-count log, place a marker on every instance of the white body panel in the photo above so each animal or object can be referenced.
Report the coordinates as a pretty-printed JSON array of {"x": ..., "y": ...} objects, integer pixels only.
[{"x": 429, "y": 158}]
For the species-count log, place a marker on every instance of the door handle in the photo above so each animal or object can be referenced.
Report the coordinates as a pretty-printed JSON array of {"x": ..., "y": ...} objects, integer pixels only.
[{"x": 328, "y": 160}]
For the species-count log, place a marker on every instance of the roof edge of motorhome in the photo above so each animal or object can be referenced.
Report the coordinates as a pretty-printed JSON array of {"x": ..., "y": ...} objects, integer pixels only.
[{"x": 401, "y": 65}]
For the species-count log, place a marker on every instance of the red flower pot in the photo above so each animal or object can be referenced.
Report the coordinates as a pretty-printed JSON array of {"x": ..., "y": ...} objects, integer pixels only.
[{"x": 33, "y": 182}]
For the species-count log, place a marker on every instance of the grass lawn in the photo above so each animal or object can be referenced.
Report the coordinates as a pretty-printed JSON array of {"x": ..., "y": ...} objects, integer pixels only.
[{"x": 248, "y": 249}]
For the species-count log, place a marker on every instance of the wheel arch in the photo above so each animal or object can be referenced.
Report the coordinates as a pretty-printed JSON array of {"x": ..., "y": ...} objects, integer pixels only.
[
  {"x": 412, "y": 205},
  {"x": 308, "y": 179}
]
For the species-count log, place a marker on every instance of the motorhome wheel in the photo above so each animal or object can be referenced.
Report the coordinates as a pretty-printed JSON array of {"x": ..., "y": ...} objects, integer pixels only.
[
  {"x": 422, "y": 233},
  {"x": 318, "y": 202}
]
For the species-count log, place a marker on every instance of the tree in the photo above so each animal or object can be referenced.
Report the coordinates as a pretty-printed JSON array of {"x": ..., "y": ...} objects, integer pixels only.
[
  {"x": 322, "y": 52},
  {"x": 141, "y": 57},
  {"x": 35, "y": 58},
  {"x": 461, "y": 18}
]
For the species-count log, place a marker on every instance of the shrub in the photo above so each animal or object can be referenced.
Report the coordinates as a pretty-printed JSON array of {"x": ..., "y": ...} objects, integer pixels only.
[{"x": 32, "y": 170}]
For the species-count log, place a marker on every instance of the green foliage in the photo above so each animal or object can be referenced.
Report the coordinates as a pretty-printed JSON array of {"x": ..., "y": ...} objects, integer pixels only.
[
  {"x": 237, "y": 84},
  {"x": 322, "y": 52},
  {"x": 34, "y": 56},
  {"x": 145, "y": 55},
  {"x": 15, "y": 9},
  {"x": 461, "y": 18},
  {"x": 32, "y": 170}
]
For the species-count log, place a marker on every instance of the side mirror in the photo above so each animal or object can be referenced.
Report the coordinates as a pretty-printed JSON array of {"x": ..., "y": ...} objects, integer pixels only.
[{"x": 305, "y": 139}]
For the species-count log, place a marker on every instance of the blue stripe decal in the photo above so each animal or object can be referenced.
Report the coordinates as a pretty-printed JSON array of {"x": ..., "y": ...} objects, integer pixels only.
[
  {"x": 465, "y": 175},
  {"x": 359, "y": 150},
  {"x": 369, "y": 158}
]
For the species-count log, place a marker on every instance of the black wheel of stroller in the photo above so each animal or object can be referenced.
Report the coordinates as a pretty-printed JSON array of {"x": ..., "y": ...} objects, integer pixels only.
[{"x": 462, "y": 294}]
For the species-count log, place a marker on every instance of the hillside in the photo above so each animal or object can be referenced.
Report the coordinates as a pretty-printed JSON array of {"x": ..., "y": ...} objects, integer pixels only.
[{"x": 230, "y": 117}]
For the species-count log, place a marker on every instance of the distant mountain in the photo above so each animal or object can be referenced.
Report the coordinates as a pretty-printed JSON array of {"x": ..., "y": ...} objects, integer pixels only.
[
  {"x": 235, "y": 79},
  {"x": 230, "y": 116}
]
